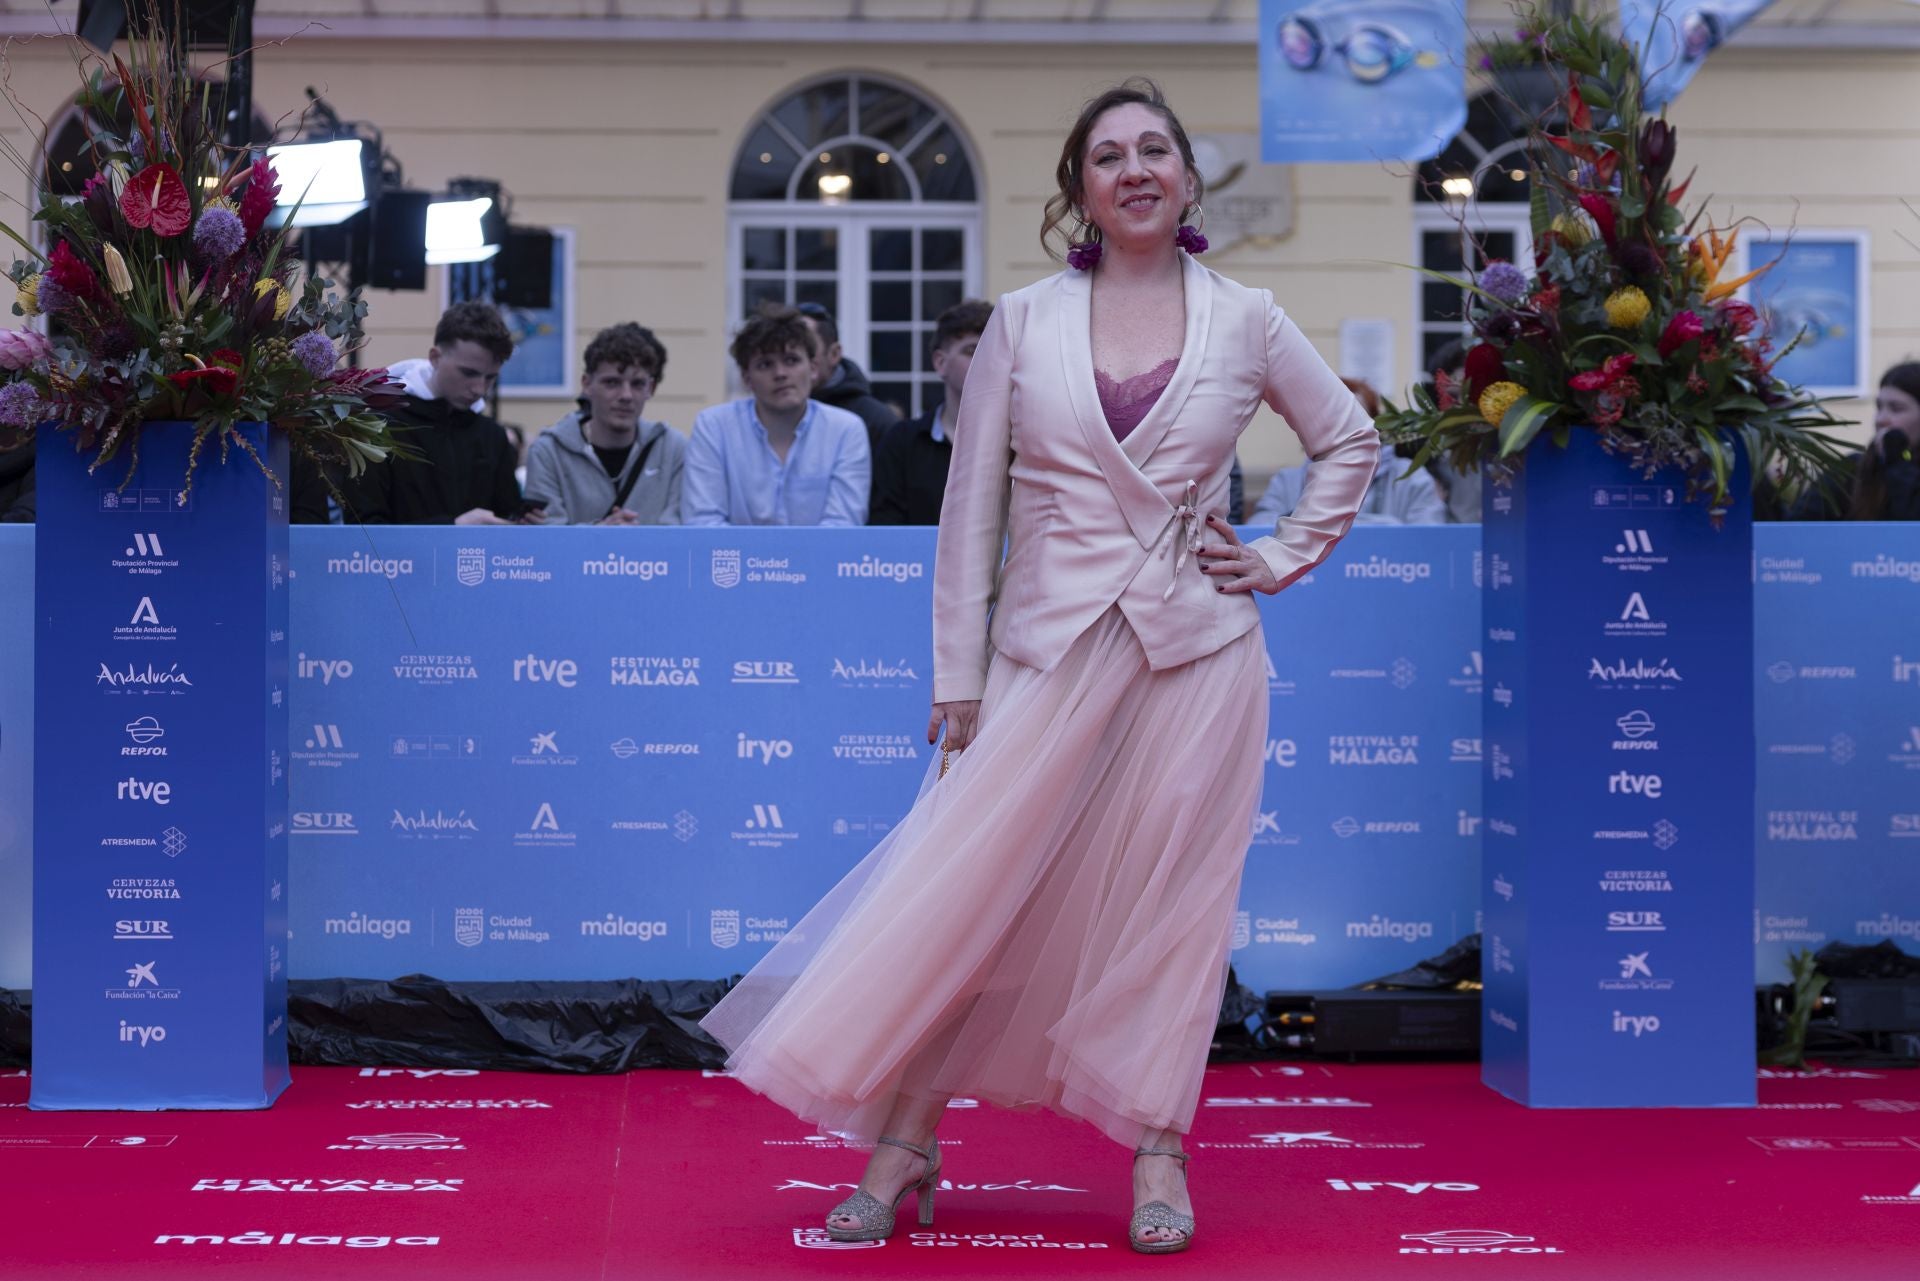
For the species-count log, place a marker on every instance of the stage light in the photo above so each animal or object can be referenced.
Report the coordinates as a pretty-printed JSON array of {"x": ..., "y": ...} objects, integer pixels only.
[
  {"x": 1458, "y": 188},
  {"x": 468, "y": 223},
  {"x": 456, "y": 231},
  {"x": 327, "y": 181}
]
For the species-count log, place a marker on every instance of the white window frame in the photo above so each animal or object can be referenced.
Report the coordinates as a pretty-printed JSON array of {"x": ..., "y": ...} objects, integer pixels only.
[
  {"x": 1477, "y": 217},
  {"x": 850, "y": 313},
  {"x": 853, "y": 221}
]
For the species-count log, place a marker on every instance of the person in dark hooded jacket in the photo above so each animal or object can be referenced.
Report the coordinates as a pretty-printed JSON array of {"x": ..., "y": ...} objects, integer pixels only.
[
  {"x": 16, "y": 485},
  {"x": 841, "y": 383}
]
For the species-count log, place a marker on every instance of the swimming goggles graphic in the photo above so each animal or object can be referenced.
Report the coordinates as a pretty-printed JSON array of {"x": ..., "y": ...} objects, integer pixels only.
[
  {"x": 1373, "y": 51},
  {"x": 1705, "y": 27}
]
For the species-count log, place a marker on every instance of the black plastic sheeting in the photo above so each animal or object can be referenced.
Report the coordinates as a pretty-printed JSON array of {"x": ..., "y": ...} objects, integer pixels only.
[
  {"x": 584, "y": 1027},
  {"x": 419, "y": 1021},
  {"x": 1455, "y": 970},
  {"x": 1884, "y": 960},
  {"x": 16, "y": 1028}
]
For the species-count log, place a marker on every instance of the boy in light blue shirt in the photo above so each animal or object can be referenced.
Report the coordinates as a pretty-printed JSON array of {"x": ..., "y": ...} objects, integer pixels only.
[{"x": 776, "y": 456}]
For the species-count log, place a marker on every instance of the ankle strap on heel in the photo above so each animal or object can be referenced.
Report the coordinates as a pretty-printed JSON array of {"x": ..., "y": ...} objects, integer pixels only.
[
  {"x": 925, "y": 1154},
  {"x": 1181, "y": 1157}
]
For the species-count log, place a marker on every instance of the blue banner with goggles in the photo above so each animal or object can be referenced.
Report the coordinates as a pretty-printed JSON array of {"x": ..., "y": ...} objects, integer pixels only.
[
  {"x": 1345, "y": 80},
  {"x": 1674, "y": 39}
]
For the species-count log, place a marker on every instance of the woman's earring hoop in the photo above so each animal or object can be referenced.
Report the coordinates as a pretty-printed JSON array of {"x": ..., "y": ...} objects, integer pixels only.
[
  {"x": 1189, "y": 237},
  {"x": 1083, "y": 247}
]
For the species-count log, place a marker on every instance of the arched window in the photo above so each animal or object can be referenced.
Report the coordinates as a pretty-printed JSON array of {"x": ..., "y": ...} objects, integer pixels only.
[
  {"x": 66, "y": 150},
  {"x": 1470, "y": 207},
  {"x": 858, "y": 193}
]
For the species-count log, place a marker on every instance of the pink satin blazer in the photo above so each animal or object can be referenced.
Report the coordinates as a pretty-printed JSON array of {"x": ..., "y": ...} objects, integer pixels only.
[{"x": 1088, "y": 521}]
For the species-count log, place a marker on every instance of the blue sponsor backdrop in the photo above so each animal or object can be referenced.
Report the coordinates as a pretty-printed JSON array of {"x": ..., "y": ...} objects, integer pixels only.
[
  {"x": 1364, "y": 80},
  {"x": 1620, "y": 761},
  {"x": 503, "y": 766},
  {"x": 16, "y": 754},
  {"x": 160, "y": 794}
]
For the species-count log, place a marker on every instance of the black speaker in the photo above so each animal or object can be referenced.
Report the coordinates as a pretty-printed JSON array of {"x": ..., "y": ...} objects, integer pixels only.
[
  {"x": 399, "y": 257},
  {"x": 523, "y": 269}
]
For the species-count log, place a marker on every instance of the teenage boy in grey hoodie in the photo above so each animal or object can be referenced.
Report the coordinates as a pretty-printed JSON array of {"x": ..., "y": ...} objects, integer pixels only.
[{"x": 606, "y": 465}]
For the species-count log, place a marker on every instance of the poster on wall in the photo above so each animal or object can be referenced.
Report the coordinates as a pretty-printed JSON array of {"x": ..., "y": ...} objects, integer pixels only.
[
  {"x": 1817, "y": 289},
  {"x": 1674, "y": 39},
  {"x": 1360, "y": 80},
  {"x": 542, "y": 364}
]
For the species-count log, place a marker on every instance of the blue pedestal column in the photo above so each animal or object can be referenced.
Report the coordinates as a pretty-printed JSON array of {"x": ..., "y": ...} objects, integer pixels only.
[
  {"x": 160, "y": 792},
  {"x": 1618, "y": 865}
]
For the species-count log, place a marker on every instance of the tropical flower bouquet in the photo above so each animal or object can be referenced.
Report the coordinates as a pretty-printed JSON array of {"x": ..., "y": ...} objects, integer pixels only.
[
  {"x": 168, "y": 298},
  {"x": 1627, "y": 324}
]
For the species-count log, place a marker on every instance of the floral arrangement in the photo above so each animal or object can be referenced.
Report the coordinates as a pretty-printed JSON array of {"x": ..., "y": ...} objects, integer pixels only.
[
  {"x": 1528, "y": 48},
  {"x": 1627, "y": 323},
  {"x": 167, "y": 296}
]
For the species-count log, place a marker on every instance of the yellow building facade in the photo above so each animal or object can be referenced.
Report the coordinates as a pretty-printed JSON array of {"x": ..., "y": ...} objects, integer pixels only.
[{"x": 627, "y": 126}]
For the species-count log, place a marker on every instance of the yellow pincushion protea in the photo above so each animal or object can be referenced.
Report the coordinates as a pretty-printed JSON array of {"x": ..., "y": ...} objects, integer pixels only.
[
  {"x": 1496, "y": 400},
  {"x": 27, "y": 293},
  {"x": 1627, "y": 307},
  {"x": 1576, "y": 227},
  {"x": 282, "y": 297}
]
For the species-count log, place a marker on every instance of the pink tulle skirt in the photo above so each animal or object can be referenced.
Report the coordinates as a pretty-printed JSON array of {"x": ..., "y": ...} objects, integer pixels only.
[{"x": 1048, "y": 926}]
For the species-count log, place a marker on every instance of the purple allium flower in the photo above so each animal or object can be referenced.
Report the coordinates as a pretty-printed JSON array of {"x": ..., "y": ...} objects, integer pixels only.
[
  {"x": 1504, "y": 281},
  {"x": 219, "y": 233},
  {"x": 53, "y": 296},
  {"x": 315, "y": 350},
  {"x": 21, "y": 406}
]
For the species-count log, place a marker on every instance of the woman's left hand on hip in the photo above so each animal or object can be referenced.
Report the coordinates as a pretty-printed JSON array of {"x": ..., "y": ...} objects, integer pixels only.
[{"x": 1235, "y": 566}]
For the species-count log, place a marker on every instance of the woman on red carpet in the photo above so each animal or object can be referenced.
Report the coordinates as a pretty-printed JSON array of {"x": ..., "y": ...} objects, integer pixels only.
[{"x": 1049, "y": 925}]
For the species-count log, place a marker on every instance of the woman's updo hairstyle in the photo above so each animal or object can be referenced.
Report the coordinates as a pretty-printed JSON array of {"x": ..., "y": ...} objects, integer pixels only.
[{"x": 1058, "y": 222}]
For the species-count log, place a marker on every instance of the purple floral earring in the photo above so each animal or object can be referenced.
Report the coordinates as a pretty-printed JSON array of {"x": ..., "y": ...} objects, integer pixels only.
[
  {"x": 1084, "y": 254},
  {"x": 1189, "y": 237}
]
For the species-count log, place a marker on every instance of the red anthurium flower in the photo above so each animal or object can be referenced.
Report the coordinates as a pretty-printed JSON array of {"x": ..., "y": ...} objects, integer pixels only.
[
  {"x": 1681, "y": 330},
  {"x": 157, "y": 197},
  {"x": 1601, "y": 210},
  {"x": 1608, "y": 374},
  {"x": 1484, "y": 366},
  {"x": 215, "y": 380}
]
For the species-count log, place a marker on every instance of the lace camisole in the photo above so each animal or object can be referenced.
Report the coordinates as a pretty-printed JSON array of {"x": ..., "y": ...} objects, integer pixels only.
[{"x": 1128, "y": 401}]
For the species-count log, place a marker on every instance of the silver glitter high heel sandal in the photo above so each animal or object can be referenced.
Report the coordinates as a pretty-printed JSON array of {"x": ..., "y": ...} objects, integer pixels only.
[
  {"x": 876, "y": 1218},
  {"x": 1158, "y": 1214}
]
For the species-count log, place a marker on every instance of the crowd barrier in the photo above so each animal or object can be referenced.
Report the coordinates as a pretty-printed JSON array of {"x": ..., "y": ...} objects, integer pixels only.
[{"x": 587, "y": 753}]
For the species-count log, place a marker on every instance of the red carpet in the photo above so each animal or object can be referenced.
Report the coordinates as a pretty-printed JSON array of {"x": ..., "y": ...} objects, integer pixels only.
[{"x": 1312, "y": 1171}]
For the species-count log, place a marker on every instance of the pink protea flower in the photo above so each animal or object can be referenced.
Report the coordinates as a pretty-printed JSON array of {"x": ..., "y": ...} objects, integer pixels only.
[{"x": 19, "y": 348}]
